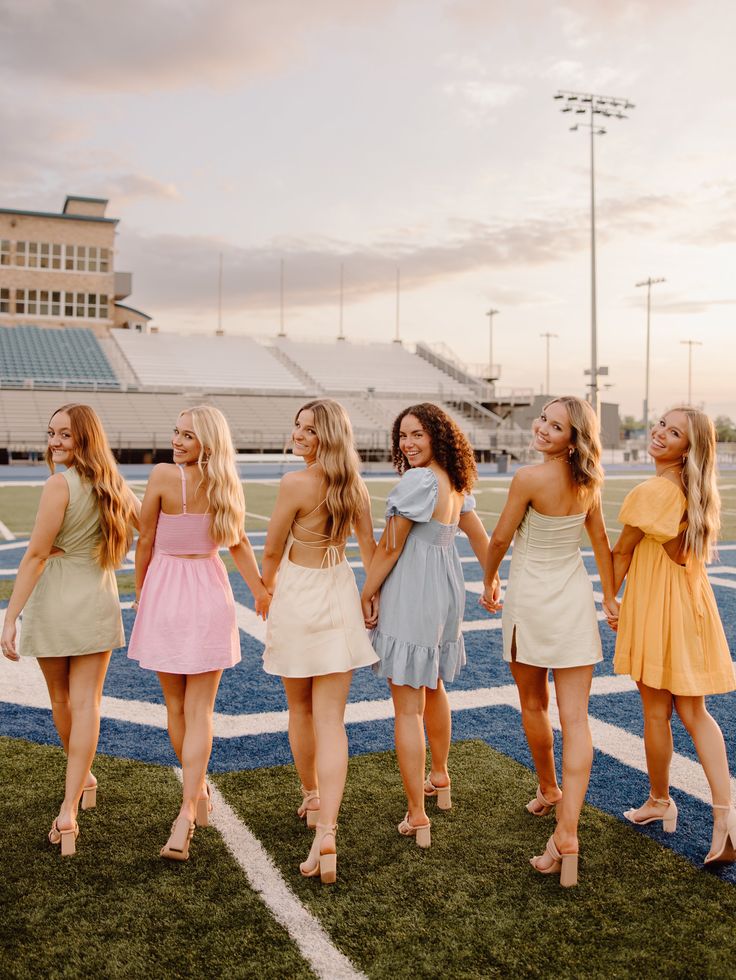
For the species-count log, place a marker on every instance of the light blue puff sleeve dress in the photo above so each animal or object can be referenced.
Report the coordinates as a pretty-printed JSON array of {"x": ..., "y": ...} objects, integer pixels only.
[{"x": 418, "y": 638}]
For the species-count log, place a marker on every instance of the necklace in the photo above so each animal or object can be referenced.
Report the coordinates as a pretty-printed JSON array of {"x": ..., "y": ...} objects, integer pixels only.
[
  {"x": 672, "y": 466},
  {"x": 563, "y": 458}
]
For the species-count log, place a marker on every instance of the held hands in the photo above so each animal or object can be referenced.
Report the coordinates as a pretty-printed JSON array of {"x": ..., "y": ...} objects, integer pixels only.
[
  {"x": 370, "y": 611},
  {"x": 263, "y": 603},
  {"x": 491, "y": 598},
  {"x": 611, "y": 608},
  {"x": 7, "y": 642}
]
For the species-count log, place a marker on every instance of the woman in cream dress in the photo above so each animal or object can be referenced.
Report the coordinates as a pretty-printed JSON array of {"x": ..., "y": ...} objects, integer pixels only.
[
  {"x": 549, "y": 616},
  {"x": 316, "y": 634},
  {"x": 66, "y": 583}
]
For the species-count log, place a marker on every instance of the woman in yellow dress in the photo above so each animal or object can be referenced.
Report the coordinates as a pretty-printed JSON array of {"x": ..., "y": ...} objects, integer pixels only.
[{"x": 670, "y": 637}]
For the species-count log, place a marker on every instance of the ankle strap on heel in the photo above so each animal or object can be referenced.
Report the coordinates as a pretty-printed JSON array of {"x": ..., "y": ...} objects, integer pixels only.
[
  {"x": 721, "y": 806},
  {"x": 661, "y": 802}
]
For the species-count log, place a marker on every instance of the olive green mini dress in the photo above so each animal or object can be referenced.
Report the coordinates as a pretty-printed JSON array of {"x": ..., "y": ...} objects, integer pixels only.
[{"x": 74, "y": 608}]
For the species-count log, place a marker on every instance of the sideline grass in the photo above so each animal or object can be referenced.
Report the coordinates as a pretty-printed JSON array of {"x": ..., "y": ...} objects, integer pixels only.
[
  {"x": 116, "y": 909},
  {"x": 472, "y": 906}
]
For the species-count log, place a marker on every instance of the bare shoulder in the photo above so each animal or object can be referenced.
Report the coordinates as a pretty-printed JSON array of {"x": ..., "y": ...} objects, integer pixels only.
[
  {"x": 163, "y": 472},
  {"x": 528, "y": 477}
]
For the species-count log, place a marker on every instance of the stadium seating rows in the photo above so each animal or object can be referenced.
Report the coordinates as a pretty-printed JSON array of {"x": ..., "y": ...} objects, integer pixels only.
[{"x": 51, "y": 355}]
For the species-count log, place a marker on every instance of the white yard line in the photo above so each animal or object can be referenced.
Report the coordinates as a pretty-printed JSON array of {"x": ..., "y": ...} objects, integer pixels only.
[
  {"x": 6, "y": 533},
  {"x": 269, "y": 884}
]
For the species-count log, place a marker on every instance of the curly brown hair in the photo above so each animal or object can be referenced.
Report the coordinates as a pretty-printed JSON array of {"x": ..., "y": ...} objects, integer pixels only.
[{"x": 450, "y": 446}]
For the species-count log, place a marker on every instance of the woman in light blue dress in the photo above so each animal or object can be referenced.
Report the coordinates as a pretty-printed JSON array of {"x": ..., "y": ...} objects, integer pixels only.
[{"x": 416, "y": 569}]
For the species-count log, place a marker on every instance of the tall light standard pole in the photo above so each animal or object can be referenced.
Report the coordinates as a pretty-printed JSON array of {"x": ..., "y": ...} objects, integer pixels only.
[
  {"x": 690, "y": 344},
  {"x": 490, "y": 314},
  {"x": 648, "y": 283},
  {"x": 548, "y": 336},
  {"x": 584, "y": 104}
]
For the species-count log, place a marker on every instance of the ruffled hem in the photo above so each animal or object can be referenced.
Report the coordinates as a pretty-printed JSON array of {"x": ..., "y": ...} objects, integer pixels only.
[{"x": 413, "y": 665}]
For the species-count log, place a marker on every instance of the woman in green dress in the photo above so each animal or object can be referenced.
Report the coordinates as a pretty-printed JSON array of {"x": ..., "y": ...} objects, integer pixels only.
[{"x": 66, "y": 585}]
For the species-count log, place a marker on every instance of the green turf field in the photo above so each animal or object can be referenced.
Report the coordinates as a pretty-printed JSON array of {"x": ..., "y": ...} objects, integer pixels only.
[{"x": 470, "y": 907}]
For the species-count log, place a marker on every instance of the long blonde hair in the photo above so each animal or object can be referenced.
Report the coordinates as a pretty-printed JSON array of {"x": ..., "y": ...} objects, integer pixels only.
[
  {"x": 586, "y": 449},
  {"x": 699, "y": 478},
  {"x": 220, "y": 480},
  {"x": 92, "y": 458},
  {"x": 346, "y": 494}
]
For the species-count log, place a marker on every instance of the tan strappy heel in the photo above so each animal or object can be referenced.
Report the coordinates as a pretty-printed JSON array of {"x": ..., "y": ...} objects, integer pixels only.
[
  {"x": 422, "y": 834},
  {"x": 311, "y": 815},
  {"x": 564, "y": 865},
  {"x": 89, "y": 797},
  {"x": 67, "y": 838},
  {"x": 176, "y": 847},
  {"x": 204, "y": 808},
  {"x": 540, "y": 806},
  {"x": 444, "y": 798},
  {"x": 668, "y": 816},
  {"x": 321, "y": 862},
  {"x": 725, "y": 851}
]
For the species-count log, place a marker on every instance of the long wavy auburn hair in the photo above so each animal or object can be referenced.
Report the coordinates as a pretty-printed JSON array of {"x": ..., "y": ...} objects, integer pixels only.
[
  {"x": 699, "y": 478},
  {"x": 450, "y": 446},
  {"x": 220, "y": 480},
  {"x": 92, "y": 458},
  {"x": 585, "y": 457},
  {"x": 346, "y": 494}
]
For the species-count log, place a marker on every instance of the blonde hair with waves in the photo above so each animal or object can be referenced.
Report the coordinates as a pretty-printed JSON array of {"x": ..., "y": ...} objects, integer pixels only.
[
  {"x": 585, "y": 455},
  {"x": 699, "y": 478},
  {"x": 216, "y": 462},
  {"x": 95, "y": 463},
  {"x": 340, "y": 464}
]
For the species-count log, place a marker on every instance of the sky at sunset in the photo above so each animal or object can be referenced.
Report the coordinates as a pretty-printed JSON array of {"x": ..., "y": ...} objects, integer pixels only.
[{"x": 416, "y": 134}]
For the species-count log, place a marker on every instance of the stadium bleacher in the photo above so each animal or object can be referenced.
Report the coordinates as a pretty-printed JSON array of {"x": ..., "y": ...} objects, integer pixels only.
[
  {"x": 48, "y": 356},
  {"x": 138, "y": 384},
  {"x": 203, "y": 361}
]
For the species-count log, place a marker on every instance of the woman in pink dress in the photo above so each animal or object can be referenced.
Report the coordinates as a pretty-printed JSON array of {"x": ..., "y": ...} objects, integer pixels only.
[{"x": 186, "y": 628}]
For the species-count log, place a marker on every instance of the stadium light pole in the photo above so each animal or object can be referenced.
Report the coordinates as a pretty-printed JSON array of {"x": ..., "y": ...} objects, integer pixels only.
[
  {"x": 282, "y": 332},
  {"x": 690, "y": 344},
  {"x": 340, "y": 332},
  {"x": 589, "y": 104},
  {"x": 648, "y": 283},
  {"x": 397, "y": 338},
  {"x": 490, "y": 314},
  {"x": 548, "y": 336}
]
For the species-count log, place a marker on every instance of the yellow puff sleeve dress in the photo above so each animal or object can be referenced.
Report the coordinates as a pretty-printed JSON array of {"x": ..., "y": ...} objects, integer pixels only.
[{"x": 670, "y": 635}]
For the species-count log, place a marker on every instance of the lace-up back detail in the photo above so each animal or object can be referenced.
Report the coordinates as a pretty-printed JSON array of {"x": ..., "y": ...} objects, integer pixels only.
[{"x": 321, "y": 540}]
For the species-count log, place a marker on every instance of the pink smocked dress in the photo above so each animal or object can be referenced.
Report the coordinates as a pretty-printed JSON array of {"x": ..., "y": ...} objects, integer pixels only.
[{"x": 186, "y": 617}]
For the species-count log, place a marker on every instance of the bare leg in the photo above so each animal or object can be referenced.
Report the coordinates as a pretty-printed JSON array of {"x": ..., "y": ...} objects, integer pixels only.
[
  {"x": 657, "y": 707},
  {"x": 572, "y": 688},
  {"x": 533, "y": 688},
  {"x": 55, "y": 671},
  {"x": 196, "y": 748},
  {"x": 711, "y": 749},
  {"x": 438, "y": 721},
  {"x": 410, "y": 747},
  {"x": 302, "y": 737},
  {"x": 85, "y": 678},
  {"x": 174, "y": 688},
  {"x": 329, "y": 696}
]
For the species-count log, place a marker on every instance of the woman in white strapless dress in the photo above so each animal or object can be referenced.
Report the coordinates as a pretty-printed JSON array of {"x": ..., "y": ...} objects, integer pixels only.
[{"x": 549, "y": 616}]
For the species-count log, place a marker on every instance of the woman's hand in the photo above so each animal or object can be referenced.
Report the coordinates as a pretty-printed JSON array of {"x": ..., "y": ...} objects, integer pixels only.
[
  {"x": 7, "y": 641},
  {"x": 491, "y": 598},
  {"x": 370, "y": 611},
  {"x": 263, "y": 603},
  {"x": 611, "y": 608}
]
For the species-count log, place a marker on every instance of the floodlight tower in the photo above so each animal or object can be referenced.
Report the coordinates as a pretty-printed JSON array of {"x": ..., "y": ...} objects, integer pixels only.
[
  {"x": 690, "y": 344},
  {"x": 548, "y": 336},
  {"x": 648, "y": 283},
  {"x": 590, "y": 105}
]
